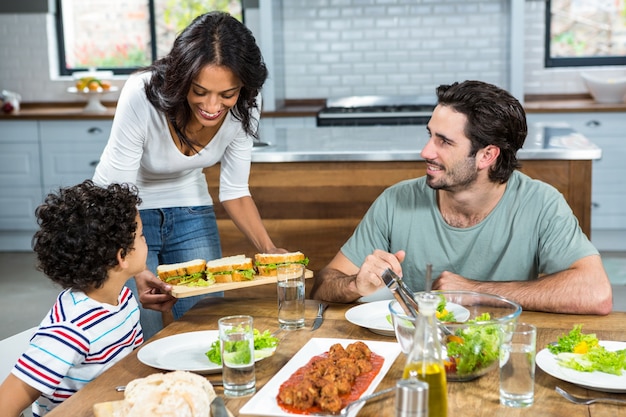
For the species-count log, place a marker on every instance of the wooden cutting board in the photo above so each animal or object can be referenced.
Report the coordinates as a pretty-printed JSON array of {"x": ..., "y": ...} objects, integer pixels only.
[
  {"x": 182, "y": 291},
  {"x": 114, "y": 409}
]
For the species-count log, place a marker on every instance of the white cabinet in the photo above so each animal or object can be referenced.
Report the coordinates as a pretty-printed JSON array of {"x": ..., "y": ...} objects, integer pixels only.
[
  {"x": 37, "y": 157},
  {"x": 608, "y": 188},
  {"x": 20, "y": 182},
  {"x": 70, "y": 150}
]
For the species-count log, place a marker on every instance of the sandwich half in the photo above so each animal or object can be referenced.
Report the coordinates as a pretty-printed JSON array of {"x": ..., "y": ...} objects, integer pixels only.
[
  {"x": 231, "y": 269},
  {"x": 266, "y": 263},
  {"x": 191, "y": 273}
]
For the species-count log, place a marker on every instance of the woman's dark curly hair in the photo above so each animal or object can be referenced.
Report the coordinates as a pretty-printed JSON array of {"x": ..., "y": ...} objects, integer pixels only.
[
  {"x": 214, "y": 38},
  {"x": 81, "y": 229},
  {"x": 494, "y": 117}
]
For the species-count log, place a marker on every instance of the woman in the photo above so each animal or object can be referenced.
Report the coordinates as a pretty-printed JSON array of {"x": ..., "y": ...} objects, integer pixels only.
[{"x": 197, "y": 106}]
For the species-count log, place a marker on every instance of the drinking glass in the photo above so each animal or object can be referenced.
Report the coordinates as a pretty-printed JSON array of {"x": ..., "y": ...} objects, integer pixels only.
[
  {"x": 517, "y": 365},
  {"x": 237, "y": 350},
  {"x": 290, "y": 286}
]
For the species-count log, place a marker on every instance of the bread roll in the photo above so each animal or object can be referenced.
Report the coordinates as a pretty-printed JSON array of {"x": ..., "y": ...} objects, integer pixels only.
[{"x": 174, "y": 394}]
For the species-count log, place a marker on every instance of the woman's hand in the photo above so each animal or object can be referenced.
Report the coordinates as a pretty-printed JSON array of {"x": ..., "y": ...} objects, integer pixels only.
[{"x": 154, "y": 293}]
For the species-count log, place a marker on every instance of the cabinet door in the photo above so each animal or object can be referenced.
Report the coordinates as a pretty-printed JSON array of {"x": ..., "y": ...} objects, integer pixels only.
[
  {"x": 71, "y": 150},
  {"x": 19, "y": 154},
  {"x": 608, "y": 131},
  {"x": 17, "y": 207},
  {"x": 20, "y": 175}
]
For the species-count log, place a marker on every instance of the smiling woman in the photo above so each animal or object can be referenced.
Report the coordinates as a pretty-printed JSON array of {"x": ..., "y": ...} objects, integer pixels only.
[{"x": 195, "y": 107}]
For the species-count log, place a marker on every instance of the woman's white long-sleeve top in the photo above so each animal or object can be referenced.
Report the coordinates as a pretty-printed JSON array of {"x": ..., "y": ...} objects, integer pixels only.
[{"x": 141, "y": 151}]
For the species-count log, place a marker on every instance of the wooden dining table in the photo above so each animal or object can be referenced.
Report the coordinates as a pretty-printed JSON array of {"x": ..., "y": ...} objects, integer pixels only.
[{"x": 479, "y": 397}]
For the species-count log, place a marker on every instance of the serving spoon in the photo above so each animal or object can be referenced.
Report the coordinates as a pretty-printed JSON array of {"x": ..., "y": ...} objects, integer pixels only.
[{"x": 587, "y": 401}]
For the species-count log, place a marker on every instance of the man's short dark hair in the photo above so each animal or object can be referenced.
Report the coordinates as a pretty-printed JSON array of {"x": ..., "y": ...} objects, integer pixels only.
[{"x": 494, "y": 117}]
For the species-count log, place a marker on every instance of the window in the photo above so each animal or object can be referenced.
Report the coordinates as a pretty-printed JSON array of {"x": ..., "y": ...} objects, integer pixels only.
[
  {"x": 585, "y": 33},
  {"x": 123, "y": 35}
]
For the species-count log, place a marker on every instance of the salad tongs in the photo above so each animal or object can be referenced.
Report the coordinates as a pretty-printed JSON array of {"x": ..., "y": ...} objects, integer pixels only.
[
  {"x": 405, "y": 296},
  {"x": 401, "y": 292}
]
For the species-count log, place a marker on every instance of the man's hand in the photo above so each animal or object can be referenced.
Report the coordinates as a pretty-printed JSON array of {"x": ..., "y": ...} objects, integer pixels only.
[
  {"x": 450, "y": 281},
  {"x": 368, "y": 279},
  {"x": 154, "y": 293}
]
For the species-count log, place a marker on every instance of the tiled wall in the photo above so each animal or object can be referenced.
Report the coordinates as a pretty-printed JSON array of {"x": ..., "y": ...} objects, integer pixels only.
[
  {"x": 345, "y": 47},
  {"x": 359, "y": 47}
]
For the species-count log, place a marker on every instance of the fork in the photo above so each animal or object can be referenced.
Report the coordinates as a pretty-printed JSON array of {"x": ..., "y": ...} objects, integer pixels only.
[
  {"x": 587, "y": 401},
  {"x": 344, "y": 411}
]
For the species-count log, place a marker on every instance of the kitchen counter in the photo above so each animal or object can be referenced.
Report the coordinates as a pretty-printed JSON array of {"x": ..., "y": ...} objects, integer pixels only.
[
  {"x": 313, "y": 185},
  {"x": 578, "y": 103},
  {"x": 402, "y": 143},
  {"x": 309, "y": 108}
]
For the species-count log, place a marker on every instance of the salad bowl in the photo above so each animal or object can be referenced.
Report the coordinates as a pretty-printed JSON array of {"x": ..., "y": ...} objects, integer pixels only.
[{"x": 471, "y": 343}]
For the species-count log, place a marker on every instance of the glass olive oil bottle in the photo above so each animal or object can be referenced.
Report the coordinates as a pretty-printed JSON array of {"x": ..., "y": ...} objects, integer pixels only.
[{"x": 425, "y": 360}]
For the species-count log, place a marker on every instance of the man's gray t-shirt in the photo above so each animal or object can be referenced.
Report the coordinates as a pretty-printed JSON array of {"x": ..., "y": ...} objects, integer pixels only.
[{"x": 531, "y": 231}]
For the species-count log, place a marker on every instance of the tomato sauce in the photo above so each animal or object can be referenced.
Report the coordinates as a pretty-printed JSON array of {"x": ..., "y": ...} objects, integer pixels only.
[{"x": 358, "y": 387}]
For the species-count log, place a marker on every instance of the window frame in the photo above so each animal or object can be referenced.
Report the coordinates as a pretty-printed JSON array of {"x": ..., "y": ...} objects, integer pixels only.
[
  {"x": 583, "y": 61},
  {"x": 60, "y": 39}
]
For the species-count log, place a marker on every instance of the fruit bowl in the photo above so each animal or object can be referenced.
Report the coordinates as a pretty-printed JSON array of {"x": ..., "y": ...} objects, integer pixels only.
[{"x": 470, "y": 347}]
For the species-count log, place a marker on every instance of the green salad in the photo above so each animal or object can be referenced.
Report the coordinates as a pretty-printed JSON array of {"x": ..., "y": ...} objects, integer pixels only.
[
  {"x": 584, "y": 353},
  {"x": 238, "y": 352},
  {"x": 442, "y": 314},
  {"x": 473, "y": 347}
]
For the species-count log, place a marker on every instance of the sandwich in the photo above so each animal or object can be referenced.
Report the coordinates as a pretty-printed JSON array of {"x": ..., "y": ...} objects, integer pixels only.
[
  {"x": 191, "y": 273},
  {"x": 266, "y": 263},
  {"x": 231, "y": 269}
]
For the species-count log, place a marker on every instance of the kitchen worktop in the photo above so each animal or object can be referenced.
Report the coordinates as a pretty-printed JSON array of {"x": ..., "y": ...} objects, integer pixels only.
[
  {"x": 310, "y": 107},
  {"x": 402, "y": 143}
]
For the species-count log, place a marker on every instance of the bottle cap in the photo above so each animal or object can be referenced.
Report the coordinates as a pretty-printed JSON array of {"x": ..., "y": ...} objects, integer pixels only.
[{"x": 411, "y": 398}]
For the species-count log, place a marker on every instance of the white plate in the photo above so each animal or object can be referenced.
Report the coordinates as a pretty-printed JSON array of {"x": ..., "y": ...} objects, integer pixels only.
[
  {"x": 182, "y": 352},
  {"x": 264, "y": 402},
  {"x": 373, "y": 316},
  {"x": 597, "y": 381}
]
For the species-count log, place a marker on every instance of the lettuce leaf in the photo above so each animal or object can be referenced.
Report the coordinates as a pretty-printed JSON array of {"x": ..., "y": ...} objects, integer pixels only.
[
  {"x": 264, "y": 345},
  {"x": 582, "y": 352}
]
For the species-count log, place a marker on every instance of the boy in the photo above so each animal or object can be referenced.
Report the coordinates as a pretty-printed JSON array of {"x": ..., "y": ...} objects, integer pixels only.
[{"x": 90, "y": 242}]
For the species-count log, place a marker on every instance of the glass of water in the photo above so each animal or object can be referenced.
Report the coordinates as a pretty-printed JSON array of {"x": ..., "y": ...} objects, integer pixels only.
[
  {"x": 517, "y": 365},
  {"x": 290, "y": 286},
  {"x": 237, "y": 350}
]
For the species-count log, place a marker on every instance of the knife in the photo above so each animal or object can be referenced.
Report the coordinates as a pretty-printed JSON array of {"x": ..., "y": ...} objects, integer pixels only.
[
  {"x": 218, "y": 408},
  {"x": 320, "y": 316}
]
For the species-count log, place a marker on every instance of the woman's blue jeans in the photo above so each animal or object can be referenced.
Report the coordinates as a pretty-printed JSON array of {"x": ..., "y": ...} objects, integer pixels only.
[{"x": 176, "y": 234}]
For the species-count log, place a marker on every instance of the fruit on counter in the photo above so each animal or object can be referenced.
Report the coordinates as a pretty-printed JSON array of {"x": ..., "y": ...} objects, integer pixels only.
[
  {"x": 9, "y": 102},
  {"x": 92, "y": 84},
  {"x": 7, "y": 107}
]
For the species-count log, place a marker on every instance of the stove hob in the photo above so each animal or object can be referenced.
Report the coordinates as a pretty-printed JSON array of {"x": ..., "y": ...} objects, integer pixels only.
[{"x": 376, "y": 110}]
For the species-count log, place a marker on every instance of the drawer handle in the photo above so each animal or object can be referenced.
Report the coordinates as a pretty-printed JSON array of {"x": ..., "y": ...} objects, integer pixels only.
[
  {"x": 94, "y": 163},
  {"x": 595, "y": 205},
  {"x": 94, "y": 130},
  {"x": 593, "y": 123}
]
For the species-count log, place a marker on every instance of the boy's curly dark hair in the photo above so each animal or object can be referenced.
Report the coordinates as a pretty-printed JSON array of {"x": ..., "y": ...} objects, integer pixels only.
[{"x": 81, "y": 230}]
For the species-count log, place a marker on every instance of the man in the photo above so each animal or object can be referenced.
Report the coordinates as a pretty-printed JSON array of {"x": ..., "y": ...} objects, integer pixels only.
[{"x": 483, "y": 225}]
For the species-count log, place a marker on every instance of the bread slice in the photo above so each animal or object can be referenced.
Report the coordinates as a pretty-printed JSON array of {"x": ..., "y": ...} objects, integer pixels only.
[
  {"x": 174, "y": 274},
  {"x": 231, "y": 269},
  {"x": 266, "y": 263}
]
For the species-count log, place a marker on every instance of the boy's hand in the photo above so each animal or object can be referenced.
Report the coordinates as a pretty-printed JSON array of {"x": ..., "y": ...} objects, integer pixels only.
[{"x": 154, "y": 293}]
